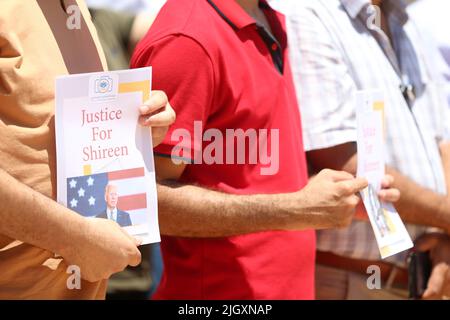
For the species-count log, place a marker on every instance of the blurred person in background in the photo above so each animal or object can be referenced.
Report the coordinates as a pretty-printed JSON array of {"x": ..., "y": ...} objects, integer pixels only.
[
  {"x": 121, "y": 25},
  {"x": 336, "y": 49}
]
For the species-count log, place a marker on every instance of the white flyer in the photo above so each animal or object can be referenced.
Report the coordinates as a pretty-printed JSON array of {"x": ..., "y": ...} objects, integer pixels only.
[
  {"x": 105, "y": 163},
  {"x": 390, "y": 232}
]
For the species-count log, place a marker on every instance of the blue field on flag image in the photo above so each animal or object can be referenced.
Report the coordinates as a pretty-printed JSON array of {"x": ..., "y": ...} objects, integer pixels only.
[{"x": 117, "y": 195}]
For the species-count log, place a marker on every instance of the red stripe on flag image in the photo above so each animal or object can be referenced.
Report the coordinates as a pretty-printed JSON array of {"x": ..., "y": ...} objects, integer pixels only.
[
  {"x": 126, "y": 174},
  {"x": 133, "y": 202}
]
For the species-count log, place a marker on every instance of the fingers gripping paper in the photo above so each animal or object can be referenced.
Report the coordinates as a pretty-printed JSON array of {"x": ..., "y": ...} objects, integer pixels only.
[{"x": 390, "y": 232}]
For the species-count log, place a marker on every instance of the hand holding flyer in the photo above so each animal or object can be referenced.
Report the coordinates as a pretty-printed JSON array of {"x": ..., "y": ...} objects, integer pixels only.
[
  {"x": 104, "y": 157},
  {"x": 390, "y": 232}
]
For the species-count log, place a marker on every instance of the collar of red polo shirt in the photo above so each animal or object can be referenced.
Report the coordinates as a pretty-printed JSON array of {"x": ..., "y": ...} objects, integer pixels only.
[
  {"x": 233, "y": 13},
  {"x": 238, "y": 19}
]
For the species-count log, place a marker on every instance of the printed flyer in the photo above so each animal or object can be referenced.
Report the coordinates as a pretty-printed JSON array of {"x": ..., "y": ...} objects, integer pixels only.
[
  {"x": 105, "y": 165},
  {"x": 390, "y": 232}
]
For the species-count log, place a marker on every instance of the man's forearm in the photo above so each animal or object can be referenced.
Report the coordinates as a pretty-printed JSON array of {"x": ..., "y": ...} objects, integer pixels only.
[
  {"x": 33, "y": 218},
  {"x": 423, "y": 206},
  {"x": 419, "y": 205},
  {"x": 191, "y": 211}
]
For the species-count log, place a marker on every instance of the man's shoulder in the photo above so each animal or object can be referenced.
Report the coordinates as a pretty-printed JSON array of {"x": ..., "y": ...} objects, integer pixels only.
[{"x": 195, "y": 20}]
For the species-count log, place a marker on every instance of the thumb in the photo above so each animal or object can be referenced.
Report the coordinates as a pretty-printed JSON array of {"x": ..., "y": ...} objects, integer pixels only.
[
  {"x": 135, "y": 259},
  {"x": 136, "y": 241},
  {"x": 359, "y": 184},
  {"x": 355, "y": 185}
]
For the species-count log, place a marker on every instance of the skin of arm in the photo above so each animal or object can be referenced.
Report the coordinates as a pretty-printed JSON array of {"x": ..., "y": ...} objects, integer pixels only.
[
  {"x": 199, "y": 212},
  {"x": 33, "y": 218},
  {"x": 416, "y": 205},
  {"x": 42, "y": 223}
]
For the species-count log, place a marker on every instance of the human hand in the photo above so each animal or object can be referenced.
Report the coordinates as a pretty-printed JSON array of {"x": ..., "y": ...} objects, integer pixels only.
[
  {"x": 330, "y": 197},
  {"x": 439, "y": 246},
  {"x": 157, "y": 113},
  {"x": 386, "y": 194},
  {"x": 104, "y": 249}
]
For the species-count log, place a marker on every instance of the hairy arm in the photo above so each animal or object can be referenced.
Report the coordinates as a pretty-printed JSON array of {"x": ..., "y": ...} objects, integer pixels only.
[
  {"x": 33, "y": 218},
  {"x": 193, "y": 211},
  {"x": 417, "y": 204},
  {"x": 199, "y": 212}
]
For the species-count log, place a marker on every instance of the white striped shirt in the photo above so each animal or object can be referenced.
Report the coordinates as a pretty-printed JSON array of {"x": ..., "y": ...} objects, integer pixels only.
[{"x": 334, "y": 54}]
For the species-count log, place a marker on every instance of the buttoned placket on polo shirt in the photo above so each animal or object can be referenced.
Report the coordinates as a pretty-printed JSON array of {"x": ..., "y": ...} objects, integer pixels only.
[
  {"x": 269, "y": 39},
  {"x": 273, "y": 45}
]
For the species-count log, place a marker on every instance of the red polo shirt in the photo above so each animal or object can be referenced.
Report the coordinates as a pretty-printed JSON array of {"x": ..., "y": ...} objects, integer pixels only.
[{"x": 219, "y": 67}]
